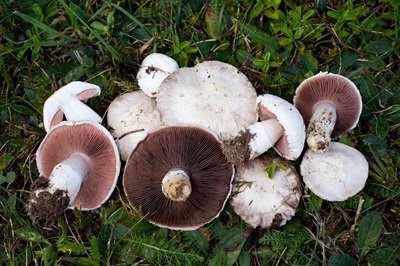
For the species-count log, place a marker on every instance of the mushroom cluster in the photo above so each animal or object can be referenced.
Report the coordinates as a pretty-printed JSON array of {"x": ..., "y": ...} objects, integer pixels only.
[
  {"x": 217, "y": 98},
  {"x": 181, "y": 143},
  {"x": 190, "y": 136}
]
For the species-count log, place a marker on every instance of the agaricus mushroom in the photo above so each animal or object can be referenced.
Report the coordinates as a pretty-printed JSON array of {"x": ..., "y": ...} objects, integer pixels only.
[
  {"x": 212, "y": 95},
  {"x": 281, "y": 127},
  {"x": 78, "y": 163},
  {"x": 66, "y": 101},
  {"x": 330, "y": 104},
  {"x": 153, "y": 70},
  {"x": 178, "y": 177},
  {"x": 131, "y": 116},
  {"x": 265, "y": 201},
  {"x": 335, "y": 175}
]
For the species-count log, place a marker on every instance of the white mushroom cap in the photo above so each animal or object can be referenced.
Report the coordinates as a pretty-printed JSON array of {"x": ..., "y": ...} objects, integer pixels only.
[
  {"x": 263, "y": 201},
  {"x": 291, "y": 144},
  {"x": 131, "y": 116},
  {"x": 337, "y": 174},
  {"x": 212, "y": 95},
  {"x": 154, "y": 69},
  {"x": 67, "y": 101}
]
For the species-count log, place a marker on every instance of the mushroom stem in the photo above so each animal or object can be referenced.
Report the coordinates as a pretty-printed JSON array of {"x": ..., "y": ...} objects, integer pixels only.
[
  {"x": 321, "y": 126},
  {"x": 75, "y": 110},
  {"x": 176, "y": 184},
  {"x": 51, "y": 196},
  {"x": 69, "y": 175},
  {"x": 265, "y": 134}
]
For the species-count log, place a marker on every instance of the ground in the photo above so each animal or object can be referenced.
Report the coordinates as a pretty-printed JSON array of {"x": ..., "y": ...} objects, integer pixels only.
[{"x": 45, "y": 44}]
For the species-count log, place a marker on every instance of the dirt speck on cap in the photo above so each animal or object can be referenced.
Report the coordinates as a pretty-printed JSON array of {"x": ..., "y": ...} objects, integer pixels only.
[
  {"x": 237, "y": 149},
  {"x": 45, "y": 208},
  {"x": 277, "y": 221}
]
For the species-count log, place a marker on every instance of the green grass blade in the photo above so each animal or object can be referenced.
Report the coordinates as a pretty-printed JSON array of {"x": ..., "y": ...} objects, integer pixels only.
[
  {"x": 116, "y": 55},
  {"x": 129, "y": 15},
  {"x": 378, "y": 161},
  {"x": 49, "y": 30}
]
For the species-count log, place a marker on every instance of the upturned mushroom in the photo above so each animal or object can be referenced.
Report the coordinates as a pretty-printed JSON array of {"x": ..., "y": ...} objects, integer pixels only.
[
  {"x": 67, "y": 101},
  {"x": 212, "y": 95},
  {"x": 178, "y": 177},
  {"x": 152, "y": 72},
  {"x": 78, "y": 163},
  {"x": 335, "y": 175},
  {"x": 281, "y": 127},
  {"x": 131, "y": 116},
  {"x": 265, "y": 201},
  {"x": 330, "y": 104}
]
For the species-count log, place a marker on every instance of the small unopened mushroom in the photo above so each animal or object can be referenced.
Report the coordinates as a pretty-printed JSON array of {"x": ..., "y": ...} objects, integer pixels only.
[
  {"x": 330, "y": 104},
  {"x": 153, "y": 70},
  {"x": 66, "y": 101},
  {"x": 78, "y": 163},
  {"x": 178, "y": 177},
  {"x": 131, "y": 116},
  {"x": 335, "y": 175},
  {"x": 281, "y": 127},
  {"x": 212, "y": 95},
  {"x": 265, "y": 201}
]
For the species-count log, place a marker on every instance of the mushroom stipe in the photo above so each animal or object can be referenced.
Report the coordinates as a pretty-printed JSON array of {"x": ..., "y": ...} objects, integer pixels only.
[{"x": 192, "y": 150}]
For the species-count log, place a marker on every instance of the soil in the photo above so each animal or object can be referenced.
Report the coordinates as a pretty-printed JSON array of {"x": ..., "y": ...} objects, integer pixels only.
[
  {"x": 44, "y": 207},
  {"x": 237, "y": 150},
  {"x": 277, "y": 221}
]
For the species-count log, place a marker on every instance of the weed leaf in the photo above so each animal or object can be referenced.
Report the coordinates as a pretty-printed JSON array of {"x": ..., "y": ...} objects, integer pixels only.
[
  {"x": 384, "y": 256},
  {"x": 342, "y": 260},
  {"x": 9, "y": 178},
  {"x": 229, "y": 247},
  {"x": 259, "y": 37},
  {"x": 379, "y": 47},
  {"x": 104, "y": 238},
  {"x": 32, "y": 236},
  {"x": 197, "y": 242},
  {"x": 369, "y": 231}
]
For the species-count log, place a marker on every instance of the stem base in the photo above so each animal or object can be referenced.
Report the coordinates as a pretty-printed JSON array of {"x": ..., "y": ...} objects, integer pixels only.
[{"x": 43, "y": 206}]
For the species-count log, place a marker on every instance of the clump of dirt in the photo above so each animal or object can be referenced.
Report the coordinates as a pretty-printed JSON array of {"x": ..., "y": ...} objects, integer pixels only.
[
  {"x": 277, "y": 221},
  {"x": 237, "y": 149},
  {"x": 44, "y": 207}
]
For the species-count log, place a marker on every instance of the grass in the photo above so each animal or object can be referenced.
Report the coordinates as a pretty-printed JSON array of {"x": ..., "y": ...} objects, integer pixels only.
[{"x": 276, "y": 43}]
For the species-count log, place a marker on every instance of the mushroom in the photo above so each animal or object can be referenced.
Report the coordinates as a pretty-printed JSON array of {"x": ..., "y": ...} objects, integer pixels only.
[
  {"x": 281, "y": 126},
  {"x": 178, "y": 177},
  {"x": 66, "y": 101},
  {"x": 78, "y": 163},
  {"x": 212, "y": 95},
  {"x": 131, "y": 116},
  {"x": 265, "y": 201},
  {"x": 335, "y": 175},
  {"x": 154, "y": 69},
  {"x": 330, "y": 104}
]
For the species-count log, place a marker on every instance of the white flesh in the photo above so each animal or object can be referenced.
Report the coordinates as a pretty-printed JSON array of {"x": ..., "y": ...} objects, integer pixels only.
[{"x": 266, "y": 133}]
